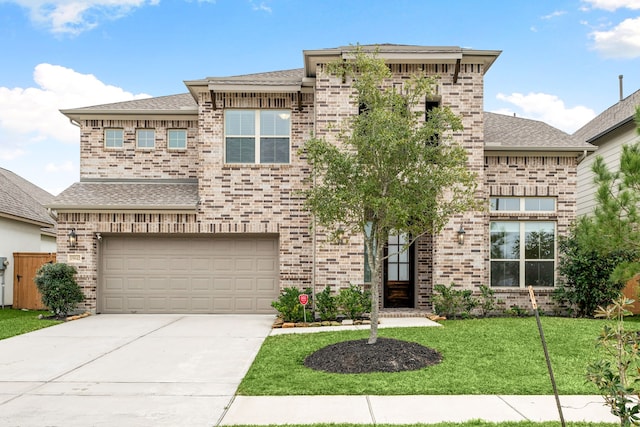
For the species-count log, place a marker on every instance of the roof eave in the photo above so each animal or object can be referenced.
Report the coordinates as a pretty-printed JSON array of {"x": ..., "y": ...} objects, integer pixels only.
[
  {"x": 618, "y": 125},
  {"x": 95, "y": 114},
  {"x": 539, "y": 149},
  {"x": 27, "y": 220},
  {"x": 126, "y": 208},
  {"x": 248, "y": 87}
]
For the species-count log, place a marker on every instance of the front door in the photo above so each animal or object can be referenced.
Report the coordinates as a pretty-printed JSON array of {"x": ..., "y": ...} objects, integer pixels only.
[{"x": 398, "y": 273}]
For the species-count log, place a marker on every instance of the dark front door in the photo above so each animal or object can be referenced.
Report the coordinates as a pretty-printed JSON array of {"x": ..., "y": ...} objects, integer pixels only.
[{"x": 398, "y": 274}]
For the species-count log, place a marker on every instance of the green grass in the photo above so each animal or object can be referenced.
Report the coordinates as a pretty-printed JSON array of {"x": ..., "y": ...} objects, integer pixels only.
[
  {"x": 480, "y": 356},
  {"x": 16, "y": 322},
  {"x": 474, "y": 423}
]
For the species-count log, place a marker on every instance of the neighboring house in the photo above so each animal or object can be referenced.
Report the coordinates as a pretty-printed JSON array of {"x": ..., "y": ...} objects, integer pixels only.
[
  {"x": 25, "y": 224},
  {"x": 191, "y": 202},
  {"x": 609, "y": 131}
]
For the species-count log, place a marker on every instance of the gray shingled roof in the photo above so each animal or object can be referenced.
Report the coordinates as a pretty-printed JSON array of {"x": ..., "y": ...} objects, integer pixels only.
[
  {"x": 161, "y": 195},
  {"x": 183, "y": 101},
  {"x": 21, "y": 199},
  {"x": 293, "y": 76},
  {"x": 609, "y": 119},
  {"x": 502, "y": 132}
]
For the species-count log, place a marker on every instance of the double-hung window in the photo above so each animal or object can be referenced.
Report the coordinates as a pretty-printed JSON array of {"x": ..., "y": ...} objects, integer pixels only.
[
  {"x": 113, "y": 138},
  {"x": 257, "y": 136},
  {"x": 523, "y": 252},
  {"x": 146, "y": 138}
]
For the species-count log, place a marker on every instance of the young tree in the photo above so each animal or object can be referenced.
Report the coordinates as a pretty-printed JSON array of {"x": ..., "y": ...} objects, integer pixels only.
[
  {"x": 391, "y": 171},
  {"x": 614, "y": 225}
]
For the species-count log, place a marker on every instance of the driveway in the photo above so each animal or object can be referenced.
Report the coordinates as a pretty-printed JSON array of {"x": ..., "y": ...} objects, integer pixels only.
[{"x": 128, "y": 370}]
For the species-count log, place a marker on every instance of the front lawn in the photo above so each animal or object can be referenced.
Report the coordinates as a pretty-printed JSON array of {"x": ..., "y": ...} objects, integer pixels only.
[
  {"x": 16, "y": 322},
  {"x": 480, "y": 356}
]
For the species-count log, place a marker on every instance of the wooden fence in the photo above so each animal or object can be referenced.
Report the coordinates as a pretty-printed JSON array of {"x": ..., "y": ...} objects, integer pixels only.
[{"x": 25, "y": 266}]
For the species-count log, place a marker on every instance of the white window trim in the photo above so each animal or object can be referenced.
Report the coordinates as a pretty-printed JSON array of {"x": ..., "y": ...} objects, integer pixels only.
[
  {"x": 522, "y": 202},
  {"x": 121, "y": 141},
  {"x": 256, "y": 137},
  {"x": 138, "y": 147},
  {"x": 186, "y": 140},
  {"x": 522, "y": 260}
]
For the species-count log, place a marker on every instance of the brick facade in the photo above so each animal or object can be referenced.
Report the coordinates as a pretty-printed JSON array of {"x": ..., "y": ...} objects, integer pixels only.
[{"x": 265, "y": 199}]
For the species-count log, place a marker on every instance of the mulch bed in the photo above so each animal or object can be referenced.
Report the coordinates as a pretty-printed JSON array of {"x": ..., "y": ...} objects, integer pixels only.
[{"x": 386, "y": 355}]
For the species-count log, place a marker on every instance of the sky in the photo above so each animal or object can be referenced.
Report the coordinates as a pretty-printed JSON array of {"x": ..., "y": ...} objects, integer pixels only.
[{"x": 560, "y": 59}]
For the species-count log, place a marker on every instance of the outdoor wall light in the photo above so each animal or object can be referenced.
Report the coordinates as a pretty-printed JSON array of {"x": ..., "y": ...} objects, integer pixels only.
[
  {"x": 72, "y": 238},
  {"x": 461, "y": 234}
]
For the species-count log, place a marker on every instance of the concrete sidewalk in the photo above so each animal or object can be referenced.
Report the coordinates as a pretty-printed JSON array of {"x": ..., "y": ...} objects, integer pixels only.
[{"x": 411, "y": 409}]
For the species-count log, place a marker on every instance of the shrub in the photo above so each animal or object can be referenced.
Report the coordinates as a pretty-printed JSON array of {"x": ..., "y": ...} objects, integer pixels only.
[
  {"x": 289, "y": 306},
  {"x": 354, "y": 301},
  {"x": 451, "y": 303},
  {"x": 326, "y": 304},
  {"x": 487, "y": 301},
  {"x": 586, "y": 280},
  {"x": 58, "y": 287}
]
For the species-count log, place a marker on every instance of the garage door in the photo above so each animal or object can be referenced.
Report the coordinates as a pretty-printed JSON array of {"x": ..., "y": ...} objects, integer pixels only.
[{"x": 188, "y": 275}]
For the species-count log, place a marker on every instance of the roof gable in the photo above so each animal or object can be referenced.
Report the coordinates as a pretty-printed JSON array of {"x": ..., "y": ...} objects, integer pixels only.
[
  {"x": 23, "y": 200},
  {"x": 613, "y": 117}
]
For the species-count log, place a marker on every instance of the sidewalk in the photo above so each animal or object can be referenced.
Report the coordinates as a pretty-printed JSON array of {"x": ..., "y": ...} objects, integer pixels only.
[{"x": 264, "y": 410}]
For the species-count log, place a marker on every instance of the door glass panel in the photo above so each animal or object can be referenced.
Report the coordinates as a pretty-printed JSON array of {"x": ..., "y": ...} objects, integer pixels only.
[{"x": 404, "y": 271}]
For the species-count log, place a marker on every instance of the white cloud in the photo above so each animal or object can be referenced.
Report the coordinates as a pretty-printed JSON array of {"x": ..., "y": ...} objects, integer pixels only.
[
  {"x": 554, "y": 14},
  {"x": 549, "y": 109},
  {"x": 32, "y": 114},
  {"x": 61, "y": 167},
  {"x": 612, "y": 5},
  {"x": 75, "y": 16},
  {"x": 623, "y": 41},
  {"x": 260, "y": 6}
]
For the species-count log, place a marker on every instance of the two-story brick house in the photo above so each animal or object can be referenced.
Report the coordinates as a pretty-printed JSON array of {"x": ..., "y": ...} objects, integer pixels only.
[{"x": 191, "y": 202}]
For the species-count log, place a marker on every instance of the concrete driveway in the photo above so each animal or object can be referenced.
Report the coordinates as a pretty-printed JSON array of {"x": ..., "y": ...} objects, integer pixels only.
[{"x": 128, "y": 370}]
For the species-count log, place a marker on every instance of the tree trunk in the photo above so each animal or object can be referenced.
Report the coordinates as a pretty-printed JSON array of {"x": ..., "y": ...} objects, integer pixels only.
[{"x": 376, "y": 279}]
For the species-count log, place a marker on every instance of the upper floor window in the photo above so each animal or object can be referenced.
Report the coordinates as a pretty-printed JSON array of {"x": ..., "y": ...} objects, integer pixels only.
[
  {"x": 523, "y": 204},
  {"x": 113, "y": 138},
  {"x": 145, "y": 138},
  {"x": 177, "y": 139},
  {"x": 257, "y": 136}
]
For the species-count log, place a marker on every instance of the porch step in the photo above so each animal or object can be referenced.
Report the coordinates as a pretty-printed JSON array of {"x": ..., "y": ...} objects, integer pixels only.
[{"x": 404, "y": 312}]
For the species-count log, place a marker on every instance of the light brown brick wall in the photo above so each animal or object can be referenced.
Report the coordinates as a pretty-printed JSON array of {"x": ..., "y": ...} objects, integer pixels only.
[
  {"x": 533, "y": 176},
  {"x": 131, "y": 162}
]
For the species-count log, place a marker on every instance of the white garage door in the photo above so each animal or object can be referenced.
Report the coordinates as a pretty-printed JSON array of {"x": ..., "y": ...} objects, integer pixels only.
[{"x": 188, "y": 274}]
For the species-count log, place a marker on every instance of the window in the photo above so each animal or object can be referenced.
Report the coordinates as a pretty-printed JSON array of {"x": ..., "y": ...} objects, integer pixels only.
[
  {"x": 146, "y": 138},
  {"x": 522, "y": 253},
  {"x": 257, "y": 136},
  {"x": 431, "y": 112},
  {"x": 523, "y": 204},
  {"x": 177, "y": 139},
  {"x": 113, "y": 138}
]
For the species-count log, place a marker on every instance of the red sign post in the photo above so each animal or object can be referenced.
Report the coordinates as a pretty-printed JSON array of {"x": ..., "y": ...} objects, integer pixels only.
[{"x": 304, "y": 300}]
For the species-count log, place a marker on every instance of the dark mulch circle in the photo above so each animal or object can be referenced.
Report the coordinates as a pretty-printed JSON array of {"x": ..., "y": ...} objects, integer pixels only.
[{"x": 386, "y": 355}]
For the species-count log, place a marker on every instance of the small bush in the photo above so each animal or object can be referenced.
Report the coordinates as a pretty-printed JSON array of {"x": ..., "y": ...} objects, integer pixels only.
[
  {"x": 487, "y": 302},
  {"x": 453, "y": 303},
  {"x": 326, "y": 304},
  {"x": 353, "y": 301},
  {"x": 58, "y": 287},
  {"x": 289, "y": 306}
]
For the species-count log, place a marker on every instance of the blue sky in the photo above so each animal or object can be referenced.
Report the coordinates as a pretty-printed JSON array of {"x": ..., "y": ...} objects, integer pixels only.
[{"x": 560, "y": 59}]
